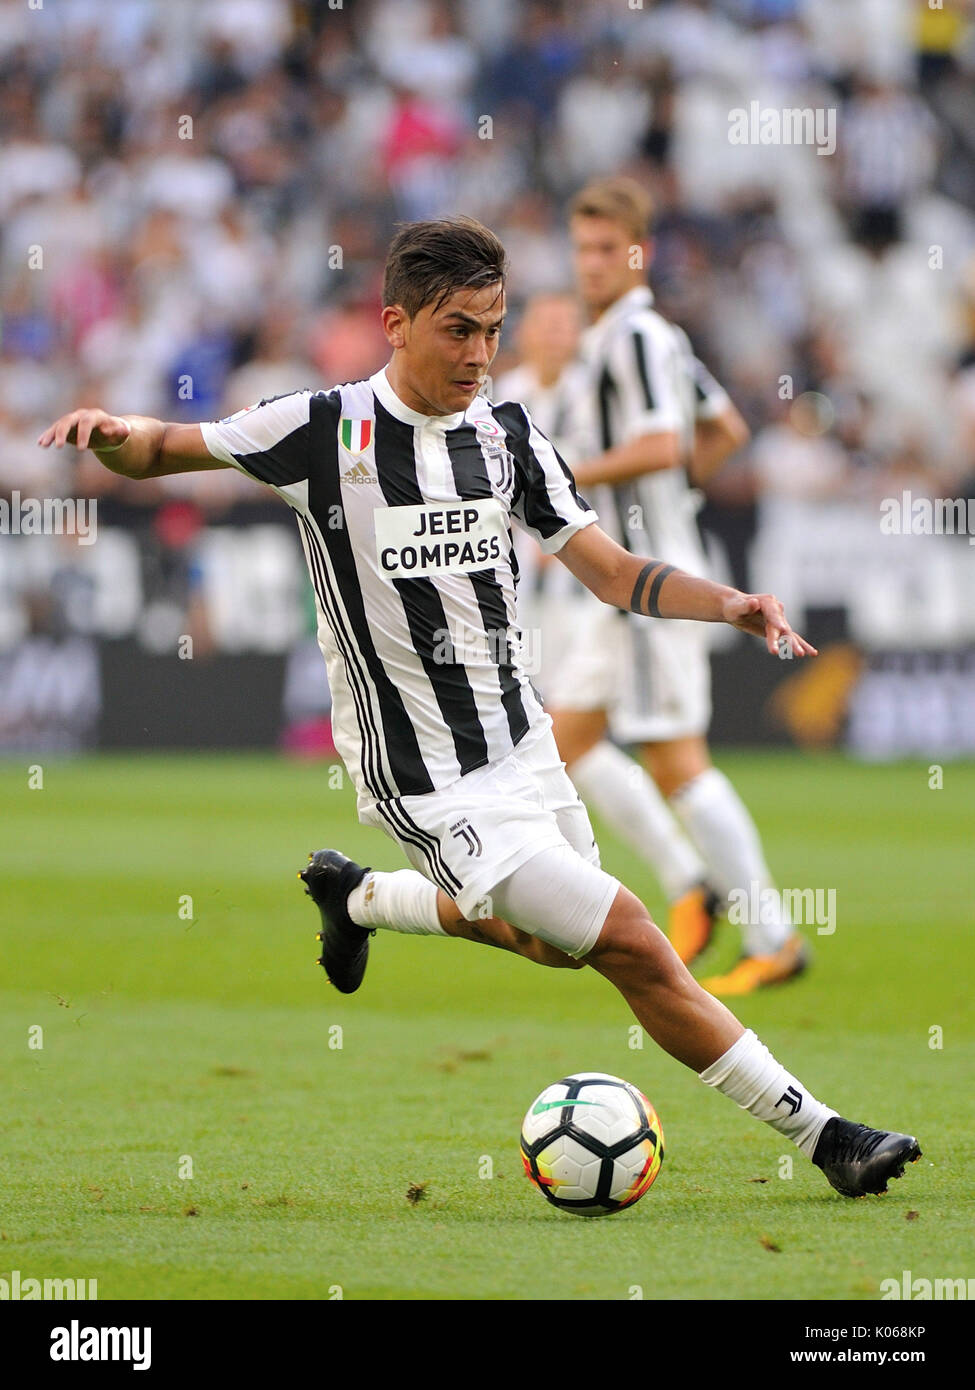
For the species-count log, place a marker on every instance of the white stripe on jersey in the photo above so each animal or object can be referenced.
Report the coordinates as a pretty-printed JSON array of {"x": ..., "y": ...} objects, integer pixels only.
[{"x": 420, "y": 638}]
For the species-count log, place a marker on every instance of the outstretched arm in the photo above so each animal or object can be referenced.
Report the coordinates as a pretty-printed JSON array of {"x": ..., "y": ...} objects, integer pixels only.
[
  {"x": 134, "y": 446},
  {"x": 658, "y": 590}
]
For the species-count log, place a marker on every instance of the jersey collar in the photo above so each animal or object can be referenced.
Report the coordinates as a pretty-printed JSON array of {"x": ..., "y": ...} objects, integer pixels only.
[
  {"x": 639, "y": 297},
  {"x": 391, "y": 402}
]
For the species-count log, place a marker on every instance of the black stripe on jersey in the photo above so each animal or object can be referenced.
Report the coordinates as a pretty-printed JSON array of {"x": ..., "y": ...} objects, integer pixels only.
[
  {"x": 624, "y": 500},
  {"x": 640, "y": 348},
  {"x": 608, "y": 392},
  {"x": 471, "y": 479},
  {"x": 425, "y": 615},
  {"x": 539, "y": 512},
  {"x": 427, "y": 845},
  {"x": 286, "y": 462},
  {"x": 372, "y": 769},
  {"x": 325, "y": 502}
]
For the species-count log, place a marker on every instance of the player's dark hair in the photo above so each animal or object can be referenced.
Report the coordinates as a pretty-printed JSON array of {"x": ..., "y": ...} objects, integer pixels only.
[{"x": 428, "y": 261}]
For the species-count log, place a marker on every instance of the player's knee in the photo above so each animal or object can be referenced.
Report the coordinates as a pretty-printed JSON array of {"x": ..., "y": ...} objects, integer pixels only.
[{"x": 631, "y": 937}]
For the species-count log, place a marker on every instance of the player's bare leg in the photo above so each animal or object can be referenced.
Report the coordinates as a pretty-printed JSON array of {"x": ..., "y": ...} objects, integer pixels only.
[
  {"x": 717, "y": 820},
  {"x": 633, "y": 955},
  {"x": 493, "y": 931},
  {"x": 676, "y": 761},
  {"x": 682, "y": 1018},
  {"x": 577, "y": 731},
  {"x": 696, "y": 1029},
  {"x": 353, "y": 902}
]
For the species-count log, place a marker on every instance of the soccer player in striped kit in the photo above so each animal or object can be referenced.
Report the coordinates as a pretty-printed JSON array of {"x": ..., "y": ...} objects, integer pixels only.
[
  {"x": 404, "y": 488},
  {"x": 650, "y": 422}
]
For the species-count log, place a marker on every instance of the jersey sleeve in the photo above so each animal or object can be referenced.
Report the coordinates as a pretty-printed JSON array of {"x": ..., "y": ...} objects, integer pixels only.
[
  {"x": 642, "y": 367},
  {"x": 710, "y": 398},
  {"x": 547, "y": 504},
  {"x": 269, "y": 441}
]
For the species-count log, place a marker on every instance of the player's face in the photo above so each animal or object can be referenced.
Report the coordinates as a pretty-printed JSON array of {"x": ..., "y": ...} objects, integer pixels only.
[
  {"x": 444, "y": 354},
  {"x": 549, "y": 333},
  {"x": 604, "y": 261}
]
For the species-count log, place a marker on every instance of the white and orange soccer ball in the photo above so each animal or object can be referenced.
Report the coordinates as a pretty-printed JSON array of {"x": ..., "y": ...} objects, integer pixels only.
[{"x": 592, "y": 1143}]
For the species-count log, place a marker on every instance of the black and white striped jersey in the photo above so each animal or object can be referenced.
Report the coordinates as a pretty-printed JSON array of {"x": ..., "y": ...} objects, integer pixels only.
[
  {"x": 643, "y": 378},
  {"x": 405, "y": 521}
]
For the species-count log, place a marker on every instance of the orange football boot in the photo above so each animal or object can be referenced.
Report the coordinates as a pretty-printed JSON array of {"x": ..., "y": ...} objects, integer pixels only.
[
  {"x": 752, "y": 972},
  {"x": 691, "y": 921}
]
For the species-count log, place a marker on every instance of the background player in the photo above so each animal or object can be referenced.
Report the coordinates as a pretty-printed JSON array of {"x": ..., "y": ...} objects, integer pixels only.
[
  {"x": 550, "y": 380},
  {"x": 651, "y": 414}
]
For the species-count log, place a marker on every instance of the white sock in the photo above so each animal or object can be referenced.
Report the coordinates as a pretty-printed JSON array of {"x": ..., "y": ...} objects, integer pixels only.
[
  {"x": 627, "y": 799},
  {"x": 715, "y": 817},
  {"x": 749, "y": 1075},
  {"x": 401, "y": 901}
]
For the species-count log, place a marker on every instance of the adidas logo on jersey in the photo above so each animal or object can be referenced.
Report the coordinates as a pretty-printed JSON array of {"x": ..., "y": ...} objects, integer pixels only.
[{"x": 358, "y": 473}]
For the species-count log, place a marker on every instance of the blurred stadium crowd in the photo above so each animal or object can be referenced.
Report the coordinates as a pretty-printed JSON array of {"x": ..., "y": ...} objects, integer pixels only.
[{"x": 212, "y": 187}]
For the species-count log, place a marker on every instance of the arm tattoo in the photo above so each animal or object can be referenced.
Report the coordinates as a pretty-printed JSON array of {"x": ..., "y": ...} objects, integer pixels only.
[
  {"x": 636, "y": 598},
  {"x": 640, "y": 588},
  {"x": 652, "y": 607}
]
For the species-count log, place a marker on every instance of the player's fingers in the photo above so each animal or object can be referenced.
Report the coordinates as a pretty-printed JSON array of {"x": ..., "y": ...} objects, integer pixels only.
[
  {"x": 775, "y": 625},
  {"x": 86, "y": 424},
  {"x": 790, "y": 642},
  {"x": 64, "y": 429}
]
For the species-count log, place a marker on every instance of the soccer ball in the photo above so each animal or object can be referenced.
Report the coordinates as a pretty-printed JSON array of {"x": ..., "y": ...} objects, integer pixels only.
[{"x": 592, "y": 1143}]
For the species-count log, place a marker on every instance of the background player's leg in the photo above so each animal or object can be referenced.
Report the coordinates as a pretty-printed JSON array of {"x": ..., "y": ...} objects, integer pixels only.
[
  {"x": 577, "y": 731},
  {"x": 718, "y": 821},
  {"x": 627, "y": 799},
  {"x": 617, "y": 787}
]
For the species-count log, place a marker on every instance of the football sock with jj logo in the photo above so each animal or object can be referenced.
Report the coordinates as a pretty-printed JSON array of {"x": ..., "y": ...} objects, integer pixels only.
[{"x": 749, "y": 1075}]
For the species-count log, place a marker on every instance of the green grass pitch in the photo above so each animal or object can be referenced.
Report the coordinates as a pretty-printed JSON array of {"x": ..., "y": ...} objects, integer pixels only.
[{"x": 192, "y": 1129}]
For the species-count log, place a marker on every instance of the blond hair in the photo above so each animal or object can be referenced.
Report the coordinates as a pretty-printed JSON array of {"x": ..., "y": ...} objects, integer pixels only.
[{"x": 620, "y": 199}]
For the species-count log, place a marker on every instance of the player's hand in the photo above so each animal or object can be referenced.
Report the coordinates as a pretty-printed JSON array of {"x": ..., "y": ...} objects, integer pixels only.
[
  {"x": 87, "y": 429},
  {"x": 763, "y": 615}
]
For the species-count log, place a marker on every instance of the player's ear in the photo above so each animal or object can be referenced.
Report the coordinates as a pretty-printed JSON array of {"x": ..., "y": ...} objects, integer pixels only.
[{"x": 395, "y": 322}]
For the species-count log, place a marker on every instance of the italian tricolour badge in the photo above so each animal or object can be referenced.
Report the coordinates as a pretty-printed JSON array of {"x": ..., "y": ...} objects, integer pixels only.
[{"x": 356, "y": 435}]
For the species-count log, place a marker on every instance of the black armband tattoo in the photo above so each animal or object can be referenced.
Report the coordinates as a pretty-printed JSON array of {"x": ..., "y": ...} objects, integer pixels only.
[
  {"x": 636, "y": 599},
  {"x": 639, "y": 589},
  {"x": 652, "y": 606}
]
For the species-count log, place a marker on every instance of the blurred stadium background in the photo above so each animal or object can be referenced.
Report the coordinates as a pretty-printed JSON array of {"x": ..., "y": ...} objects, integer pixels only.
[{"x": 195, "y": 202}]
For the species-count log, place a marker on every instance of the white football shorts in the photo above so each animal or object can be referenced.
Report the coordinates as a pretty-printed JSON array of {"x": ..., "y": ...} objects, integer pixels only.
[
  {"x": 652, "y": 676},
  {"x": 471, "y": 837}
]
